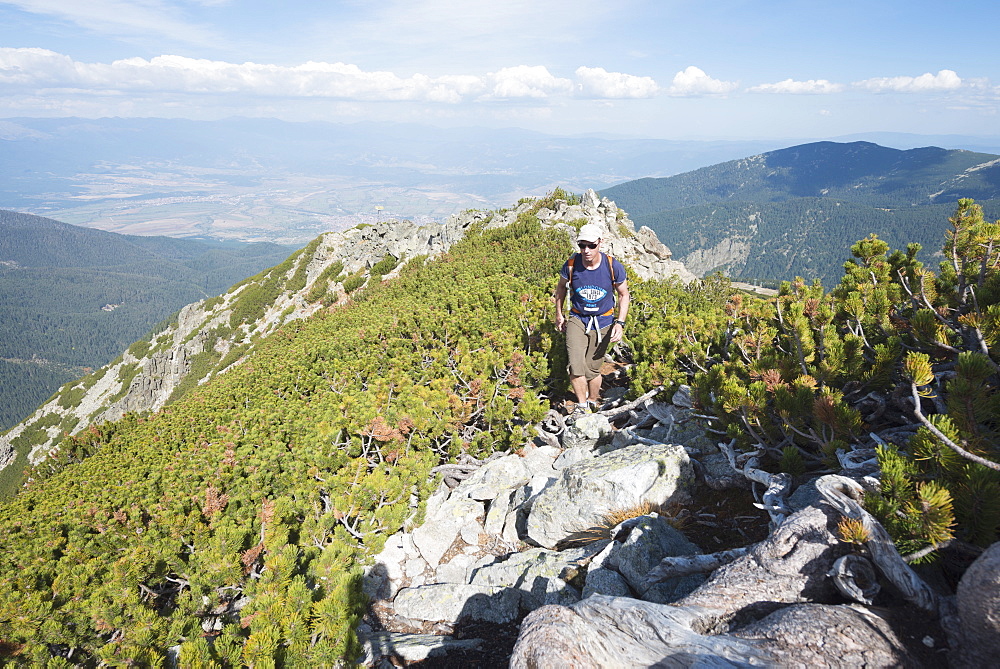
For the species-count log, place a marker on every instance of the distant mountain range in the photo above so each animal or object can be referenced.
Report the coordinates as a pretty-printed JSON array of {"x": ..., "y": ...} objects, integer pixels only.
[
  {"x": 796, "y": 211},
  {"x": 73, "y": 297},
  {"x": 270, "y": 180}
]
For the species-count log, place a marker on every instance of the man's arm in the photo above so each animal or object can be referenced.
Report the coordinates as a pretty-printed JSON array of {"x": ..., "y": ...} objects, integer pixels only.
[
  {"x": 624, "y": 298},
  {"x": 560, "y": 297}
]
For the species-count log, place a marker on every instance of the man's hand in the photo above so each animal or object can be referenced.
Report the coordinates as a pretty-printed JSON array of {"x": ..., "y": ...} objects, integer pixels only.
[
  {"x": 560, "y": 322},
  {"x": 616, "y": 333}
]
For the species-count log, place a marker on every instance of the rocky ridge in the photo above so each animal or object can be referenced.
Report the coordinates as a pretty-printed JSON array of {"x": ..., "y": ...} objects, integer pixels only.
[
  {"x": 566, "y": 553},
  {"x": 204, "y": 341}
]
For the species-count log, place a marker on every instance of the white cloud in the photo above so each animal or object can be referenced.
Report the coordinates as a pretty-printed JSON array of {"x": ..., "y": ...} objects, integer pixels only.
[
  {"x": 36, "y": 68},
  {"x": 43, "y": 72},
  {"x": 945, "y": 80},
  {"x": 812, "y": 86},
  {"x": 33, "y": 69},
  {"x": 40, "y": 68},
  {"x": 599, "y": 83},
  {"x": 525, "y": 81},
  {"x": 693, "y": 81}
]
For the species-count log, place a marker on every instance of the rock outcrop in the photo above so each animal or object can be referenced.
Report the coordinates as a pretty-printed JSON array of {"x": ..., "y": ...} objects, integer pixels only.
[
  {"x": 476, "y": 559},
  {"x": 621, "y": 479},
  {"x": 640, "y": 249},
  {"x": 591, "y": 597},
  {"x": 204, "y": 339}
]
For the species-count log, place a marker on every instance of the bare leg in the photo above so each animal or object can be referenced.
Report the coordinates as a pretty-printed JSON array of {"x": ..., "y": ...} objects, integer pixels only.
[
  {"x": 594, "y": 389},
  {"x": 580, "y": 386}
]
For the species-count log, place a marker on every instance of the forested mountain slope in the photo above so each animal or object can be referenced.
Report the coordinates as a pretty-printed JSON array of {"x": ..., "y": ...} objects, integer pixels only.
[
  {"x": 793, "y": 212},
  {"x": 296, "y": 420},
  {"x": 73, "y": 298}
]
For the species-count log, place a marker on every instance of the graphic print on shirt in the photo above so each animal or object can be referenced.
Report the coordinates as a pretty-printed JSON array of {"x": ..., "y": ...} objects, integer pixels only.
[{"x": 592, "y": 296}]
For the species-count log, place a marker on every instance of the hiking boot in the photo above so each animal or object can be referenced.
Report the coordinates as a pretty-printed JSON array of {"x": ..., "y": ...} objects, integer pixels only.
[{"x": 581, "y": 409}]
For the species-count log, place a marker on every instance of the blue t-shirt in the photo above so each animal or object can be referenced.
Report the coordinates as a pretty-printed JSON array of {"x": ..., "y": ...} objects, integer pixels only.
[{"x": 592, "y": 292}]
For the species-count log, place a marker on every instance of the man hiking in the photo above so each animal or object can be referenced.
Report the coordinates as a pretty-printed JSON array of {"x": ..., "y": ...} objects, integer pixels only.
[{"x": 592, "y": 279}]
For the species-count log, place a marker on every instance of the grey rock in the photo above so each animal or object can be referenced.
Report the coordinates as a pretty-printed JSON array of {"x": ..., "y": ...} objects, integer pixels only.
[
  {"x": 456, "y": 570},
  {"x": 602, "y": 631},
  {"x": 978, "y": 602},
  {"x": 472, "y": 533},
  {"x": 494, "y": 477},
  {"x": 571, "y": 456},
  {"x": 443, "y": 525},
  {"x": 538, "y": 460},
  {"x": 652, "y": 244},
  {"x": 414, "y": 567},
  {"x": 537, "y": 572},
  {"x": 648, "y": 542},
  {"x": 375, "y": 582},
  {"x": 677, "y": 426},
  {"x": 805, "y": 495},
  {"x": 385, "y": 576},
  {"x": 623, "y": 438},
  {"x": 718, "y": 474},
  {"x": 497, "y": 512},
  {"x": 661, "y": 411},
  {"x": 663, "y": 433},
  {"x": 536, "y": 486},
  {"x": 409, "y": 547},
  {"x": 788, "y": 567},
  {"x": 604, "y": 581},
  {"x": 682, "y": 398},
  {"x": 622, "y": 479},
  {"x": 410, "y": 647},
  {"x": 452, "y": 602},
  {"x": 816, "y": 635},
  {"x": 520, "y": 501},
  {"x": 513, "y": 526},
  {"x": 587, "y": 431},
  {"x": 613, "y": 395},
  {"x": 732, "y": 253}
]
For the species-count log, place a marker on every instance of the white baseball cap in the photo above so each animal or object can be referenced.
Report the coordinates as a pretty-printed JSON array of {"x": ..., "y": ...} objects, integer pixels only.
[{"x": 589, "y": 233}]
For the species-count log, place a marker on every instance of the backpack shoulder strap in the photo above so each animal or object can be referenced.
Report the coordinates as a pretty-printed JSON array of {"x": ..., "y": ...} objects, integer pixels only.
[
  {"x": 611, "y": 267},
  {"x": 571, "y": 262}
]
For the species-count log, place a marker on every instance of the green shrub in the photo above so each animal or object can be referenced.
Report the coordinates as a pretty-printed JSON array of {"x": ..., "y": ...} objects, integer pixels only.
[
  {"x": 353, "y": 282},
  {"x": 71, "y": 395},
  {"x": 384, "y": 266},
  {"x": 140, "y": 348}
]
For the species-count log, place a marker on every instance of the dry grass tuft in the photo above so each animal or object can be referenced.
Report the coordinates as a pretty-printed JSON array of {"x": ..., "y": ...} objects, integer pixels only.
[{"x": 601, "y": 531}]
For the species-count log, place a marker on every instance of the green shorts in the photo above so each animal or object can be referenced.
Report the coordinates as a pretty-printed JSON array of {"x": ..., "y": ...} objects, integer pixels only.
[{"x": 586, "y": 349}]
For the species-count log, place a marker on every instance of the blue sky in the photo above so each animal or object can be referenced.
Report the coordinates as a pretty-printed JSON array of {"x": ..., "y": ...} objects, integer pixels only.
[{"x": 655, "y": 68}]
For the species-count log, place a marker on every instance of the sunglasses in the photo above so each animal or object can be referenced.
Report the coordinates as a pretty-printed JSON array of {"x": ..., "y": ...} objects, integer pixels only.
[{"x": 587, "y": 245}]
